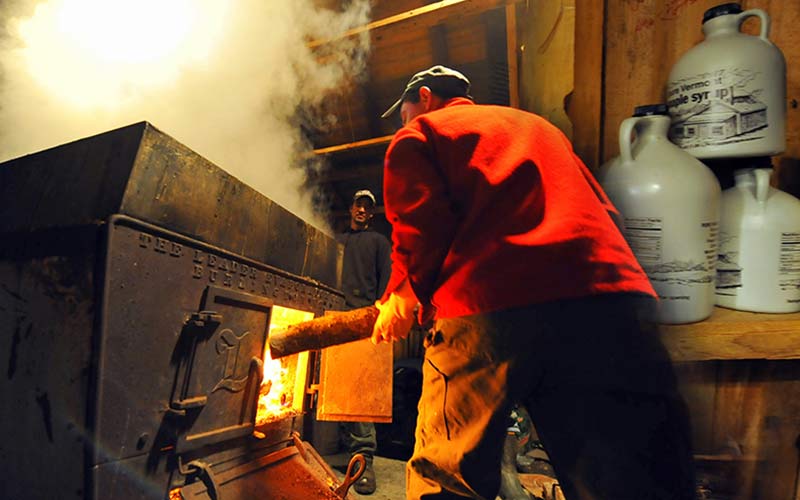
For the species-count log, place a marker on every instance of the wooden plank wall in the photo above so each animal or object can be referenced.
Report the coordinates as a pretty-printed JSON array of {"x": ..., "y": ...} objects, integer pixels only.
[
  {"x": 585, "y": 107},
  {"x": 546, "y": 51}
]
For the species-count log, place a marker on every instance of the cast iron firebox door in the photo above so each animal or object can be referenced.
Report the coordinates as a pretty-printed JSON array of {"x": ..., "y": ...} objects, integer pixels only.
[
  {"x": 220, "y": 367},
  {"x": 355, "y": 383}
]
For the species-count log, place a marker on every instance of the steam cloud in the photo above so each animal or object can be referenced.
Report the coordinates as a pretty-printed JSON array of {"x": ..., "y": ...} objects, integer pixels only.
[{"x": 238, "y": 105}]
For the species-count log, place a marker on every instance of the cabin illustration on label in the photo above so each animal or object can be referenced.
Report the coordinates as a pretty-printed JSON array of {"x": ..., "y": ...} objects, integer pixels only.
[
  {"x": 679, "y": 272},
  {"x": 729, "y": 272},
  {"x": 719, "y": 121}
]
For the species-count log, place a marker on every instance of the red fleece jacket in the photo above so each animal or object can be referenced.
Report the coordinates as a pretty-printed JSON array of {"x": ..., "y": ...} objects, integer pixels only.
[{"x": 491, "y": 209}]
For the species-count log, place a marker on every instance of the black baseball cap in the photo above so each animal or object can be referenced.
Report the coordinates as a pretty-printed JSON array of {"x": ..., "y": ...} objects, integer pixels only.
[{"x": 441, "y": 75}]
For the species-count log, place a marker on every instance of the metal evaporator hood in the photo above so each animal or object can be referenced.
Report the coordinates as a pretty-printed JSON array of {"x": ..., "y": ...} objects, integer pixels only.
[{"x": 143, "y": 173}]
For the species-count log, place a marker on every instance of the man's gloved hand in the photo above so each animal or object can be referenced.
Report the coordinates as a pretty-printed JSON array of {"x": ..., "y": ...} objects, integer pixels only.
[{"x": 396, "y": 315}]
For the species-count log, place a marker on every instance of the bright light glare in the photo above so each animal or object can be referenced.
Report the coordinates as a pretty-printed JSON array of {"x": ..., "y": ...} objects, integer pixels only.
[
  {"x": 111, "y": 30},
  {"x": 100, "y": 53}
]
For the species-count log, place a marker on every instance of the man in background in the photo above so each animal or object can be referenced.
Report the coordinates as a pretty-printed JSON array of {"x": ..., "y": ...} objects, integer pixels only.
[
  {"x": 365, "y": 273},
  {"x": 503, "y": 236}
]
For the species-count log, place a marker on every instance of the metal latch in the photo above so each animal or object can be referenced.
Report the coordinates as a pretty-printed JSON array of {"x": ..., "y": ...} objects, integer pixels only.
[
  {"x": 179, "y": 407},
  {"x": 202, "y": 319},
  {"x": 203, "y": 471}
]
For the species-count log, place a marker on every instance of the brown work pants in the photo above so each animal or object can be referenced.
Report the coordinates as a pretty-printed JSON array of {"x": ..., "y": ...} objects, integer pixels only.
[{"x": 599, "y": 386}]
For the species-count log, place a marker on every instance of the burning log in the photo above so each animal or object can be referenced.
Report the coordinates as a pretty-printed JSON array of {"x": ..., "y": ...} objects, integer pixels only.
[{"x": 326, "y": 331}]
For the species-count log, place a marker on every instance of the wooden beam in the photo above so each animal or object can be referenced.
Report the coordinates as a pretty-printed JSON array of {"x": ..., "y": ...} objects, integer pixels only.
[
  {"x": 585, "y": 108},
  {"x": 423, "y": 17},
  {"x": 371, "y": 109},
  {"x": 496, "y": 57},
  {"x": 376, "y": 141},
  {"x": 546, "y": 68},
  {"x": 439, "y": 48},
  {"x": 513, "y": 62}
]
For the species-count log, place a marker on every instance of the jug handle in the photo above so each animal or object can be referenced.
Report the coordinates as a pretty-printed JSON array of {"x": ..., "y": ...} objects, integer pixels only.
[
  {"x": 625, "y": 130},
  {"x": 762, "y": 183},
  {"x": 764, "y": 35}
]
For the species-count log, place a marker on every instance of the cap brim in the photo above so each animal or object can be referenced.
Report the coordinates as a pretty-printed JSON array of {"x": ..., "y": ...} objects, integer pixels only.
[
  {"x": 370, "y": 198},
  {"x": 389, "y": 112}
]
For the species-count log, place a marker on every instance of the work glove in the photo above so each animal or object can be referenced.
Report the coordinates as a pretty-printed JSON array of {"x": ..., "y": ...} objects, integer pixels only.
[{"x": 396, "y": 315}]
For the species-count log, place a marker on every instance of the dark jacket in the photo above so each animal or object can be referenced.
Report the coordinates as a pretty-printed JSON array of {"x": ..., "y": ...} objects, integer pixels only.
[{"x": 366, "y": 268}]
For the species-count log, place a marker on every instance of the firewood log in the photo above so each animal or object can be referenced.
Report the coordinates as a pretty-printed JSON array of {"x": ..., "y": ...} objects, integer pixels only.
[{"x": 325, "y": 331}]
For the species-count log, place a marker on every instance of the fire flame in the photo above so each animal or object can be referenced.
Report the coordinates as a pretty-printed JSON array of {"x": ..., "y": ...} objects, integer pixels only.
[
  {"x": 283, "y": 385},
  {"x": 97, "y": 53}
]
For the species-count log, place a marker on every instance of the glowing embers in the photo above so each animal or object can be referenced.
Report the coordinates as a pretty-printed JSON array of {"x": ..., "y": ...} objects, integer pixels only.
[{"x": 283, "y": 387}]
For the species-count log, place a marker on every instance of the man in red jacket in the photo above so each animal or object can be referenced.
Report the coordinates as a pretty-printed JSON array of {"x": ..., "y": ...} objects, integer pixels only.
[{"x": 505, "y": 239}]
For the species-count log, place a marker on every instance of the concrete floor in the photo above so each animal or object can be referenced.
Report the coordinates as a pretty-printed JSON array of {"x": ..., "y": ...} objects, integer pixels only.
[{"x": 390, "y": 477}]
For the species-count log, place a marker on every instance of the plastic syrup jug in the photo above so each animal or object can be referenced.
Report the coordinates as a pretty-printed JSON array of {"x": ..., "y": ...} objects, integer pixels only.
[
  {"x": 727, "y": 95},
  {"x": 670, "y": 205},
  {"x": 759, "y": 255}
]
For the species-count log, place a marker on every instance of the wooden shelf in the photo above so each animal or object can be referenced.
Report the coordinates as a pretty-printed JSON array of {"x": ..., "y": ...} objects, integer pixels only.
[
  {"x": 376, "y": 141},
  {"x": 725, "y": 458},
  {"x": 731, "y": 335}
]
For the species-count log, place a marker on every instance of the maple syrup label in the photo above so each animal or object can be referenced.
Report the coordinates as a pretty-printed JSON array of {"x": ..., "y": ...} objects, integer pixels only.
[
  {"x": 729, "y": 272},
  {"x": 725, "y": 106},
  {"x": 789, "y": 267},
  {"x": 673, "y": 278},
  {"x": 644, "y": 235}
]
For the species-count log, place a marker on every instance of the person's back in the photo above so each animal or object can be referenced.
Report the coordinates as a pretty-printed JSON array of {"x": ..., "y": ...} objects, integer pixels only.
[
  {"x": 516, "y": 197},
  {"x": 499, "y": 225}
]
